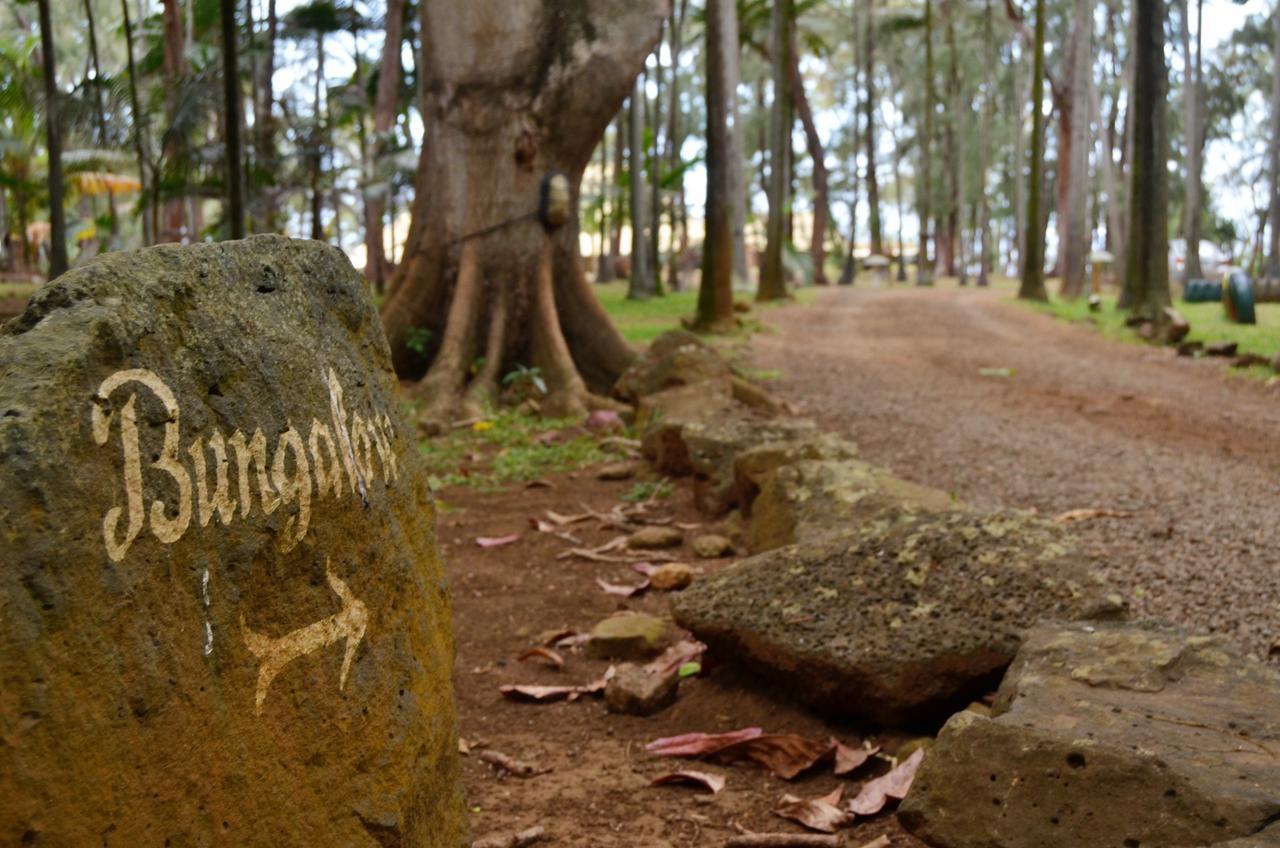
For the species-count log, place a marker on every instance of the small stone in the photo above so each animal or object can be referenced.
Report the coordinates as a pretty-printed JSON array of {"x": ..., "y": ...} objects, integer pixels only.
[
  {"x": 631, "y": 636},
  {"x": 1190, "y": 348},
  {"x": 634, "y": 691},
  {"x": 671, "y": 577},
  {"x": 1221, "y": 349},
  {"x": 617, "y": 471},
  {"x": 712, "y": 547},
  {"x": 1174, "y": 327},
  {"x": 651, "y": 538}
]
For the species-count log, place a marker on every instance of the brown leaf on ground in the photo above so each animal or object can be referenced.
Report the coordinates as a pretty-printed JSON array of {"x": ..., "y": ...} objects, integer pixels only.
[
  {"x": 784, "y": 754},
  {"x": 895, "y": 784},
  {"x": 497, "y": 541},
  {"x": 672, "y": 658},
  {"x": 544, "y": 526},
  {"x": 712, "y": 782},
  {"x": 821, "y": 814},
  {"x": 539, "y": 484},
  {"x": 699, "y": 744},
  {"x": 515, "y": 840},
  {"x": 546, "y": 694},
  {"x": 549, "y": 656},
  {"x": 849, "y": 760},
  {"x": 510, "y": 765},
  {"x": 1074, "y": 516},
  {"x": 557, "y": 518},
  {"x": 620, "y": 589}
]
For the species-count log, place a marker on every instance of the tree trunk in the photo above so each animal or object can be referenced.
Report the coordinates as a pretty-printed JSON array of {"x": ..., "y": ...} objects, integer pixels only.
[
  {"x": 386, "y": 103},
  {"x": 869, "y": 129},
  {"x": 773, "y": 279},
  {"x": 53, "y": 139},
  {"x": 924, "y": 186},
  {"x": 738, "y": 169},
  {"x": 1193, "y": 97},
  {"x": 715, "y": 294},
  {"x": 265, "y": 158},
  {"x": 100, "y": 112},
  {"x": 1147, "y": 265},
  {"x": 821, "y": 193},
  {"x": 675, "y": 140},
  {"x": 643, "y": 283},
  {"x": 988, "y": 117},
  {"x": 1273, "y": 152},
  {"x": 951, "y": 240},
  {"x": 480, "y": 275},
  {"x": 173, "y": 214},
  {"x": 317, "y": 146},
  {"x": 232, "y": 120},
  {"x": 140, "y": 135},
  {"x": 1075, "y": 249},
  {"x": 617, "y": 207},
  {"x": 1023, "y": 95},
  {"x": 1032, "y": 287}
]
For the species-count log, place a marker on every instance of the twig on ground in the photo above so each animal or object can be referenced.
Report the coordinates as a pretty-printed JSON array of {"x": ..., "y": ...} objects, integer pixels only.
[
  {"x": 511, "y": 765},
  {"x": 515, "y": 840},
  {"x": 783, "y": 840}
]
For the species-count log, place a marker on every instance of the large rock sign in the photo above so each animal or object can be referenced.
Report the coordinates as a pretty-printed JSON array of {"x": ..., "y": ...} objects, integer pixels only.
[{"x": 223, "y": 616}]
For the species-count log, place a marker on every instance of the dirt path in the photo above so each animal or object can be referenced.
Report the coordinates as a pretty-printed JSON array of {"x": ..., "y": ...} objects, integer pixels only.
[{"x": 1083, "y": 422}]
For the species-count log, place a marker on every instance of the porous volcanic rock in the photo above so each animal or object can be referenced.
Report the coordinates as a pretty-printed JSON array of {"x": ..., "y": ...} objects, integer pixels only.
[
  {"x": 712, "y": 448},
  {"x": 1110, "y": 735},
  {"x": 812, "y": 498},
  {"x": 676, "y": 358},
  {"x": 223, "y": 617},
  {"x": 899, "y": 625}
]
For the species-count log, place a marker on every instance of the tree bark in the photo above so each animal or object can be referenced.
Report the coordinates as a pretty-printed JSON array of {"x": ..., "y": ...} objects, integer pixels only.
[
  {"x": 1075, "y": 248},
  {"x": 232, "y": 120},
  {"x": 643, "y": 283},
  {"x": 675, "y": 140},
  {"x": 1147, "y": 265},
  {"x": 988, "y": 117},
  {"x": 821, "y": 191},
  {"x": 173, "y": 214},
  {"x": 949, "y": 248},
  {"x": 317, "y": 146},
  {"x": 53, "y": 140},
  {"x": 386, "y": 103},
  {"x": 99, "y": 108},
  {"x": 1193, "y": 97},
  {"x": 528, "y": 99},
  {"x": 773, "y": 279},
  {"x": 265, "y": 158},
  {"x": 140, "y": 136},
  {"x": 924, "y": 186},
  {"x": 715, "y": 294},
  {"x": 1032, "y": 287},
  {"x": 1273, "y": 152},
  {"x": 869, "y": 129}
]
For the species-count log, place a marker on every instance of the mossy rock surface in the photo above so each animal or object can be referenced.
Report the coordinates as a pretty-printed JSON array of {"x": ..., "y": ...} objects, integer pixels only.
[
  {"x": 1110, "y": 735},
  {"x": 899, "y": 622},
  {"x": 224, "y": 615}
]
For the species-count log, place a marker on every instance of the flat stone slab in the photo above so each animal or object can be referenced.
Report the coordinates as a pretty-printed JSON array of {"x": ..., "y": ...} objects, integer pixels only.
[
  {"x": 899, "y": 624},
  {"x": 223, "y": 616},
  {"x": 1110, "y": 735}
]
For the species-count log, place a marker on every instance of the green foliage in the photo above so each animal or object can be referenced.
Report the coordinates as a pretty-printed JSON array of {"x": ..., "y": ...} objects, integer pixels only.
[
  {"x": 647, "y": 490},
  {"x": 508, "y": 448},
  {"x": 525, "y": 377},
  {"x": 418, "y": 340}
]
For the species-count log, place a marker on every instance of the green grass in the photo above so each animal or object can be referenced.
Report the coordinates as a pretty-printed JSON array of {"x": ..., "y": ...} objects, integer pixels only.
[
  {"x": 1208, "y": 321},
  {"x": 22, "y": 290},
  {"x": 642, "y": 321},
  {"x": 508, "y": 448}
]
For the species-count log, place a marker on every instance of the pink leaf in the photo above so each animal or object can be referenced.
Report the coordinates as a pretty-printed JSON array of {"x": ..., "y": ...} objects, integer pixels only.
[
  {"x": 550, "y": 656},
  {"x": 849, "y": 760},
  {"x": 713, "y": 782},
  {"x": 604, "y": 419},
  {"x": 820, "y": 814},
  {"x": 497, "y": 541},
  {"x": 895, "y": 784},
  {"x": 677, "y": 655},
  {"x": 699, "y": 744},
  {"x": 620, "y": 589}
]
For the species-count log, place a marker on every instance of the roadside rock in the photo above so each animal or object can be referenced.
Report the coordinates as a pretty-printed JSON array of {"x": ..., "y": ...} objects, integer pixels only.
[
  {"x": 712, "y": 547},
  {"x": 630, "y": 636},
  {"x": 809, "y": 499},
  {"x": 634, "y": 691},
  {"x": 676, "y": 358},
  {"x": 1269, "y": 838},
  {"x": 899, "y": 625},
  {"x": 712, "y": 449},
  {"x": 1227, "y": 349},
  {"x": 223, "y": 617},
  {"x": 653, "y": 538},
  {"x": 1109, "y": 735},
  {"x": 671, "y": 577},
  {"x": 752, "y": 467},
  {"x": 661, "y": 419},
  {"x": 1173, "y": 326}
]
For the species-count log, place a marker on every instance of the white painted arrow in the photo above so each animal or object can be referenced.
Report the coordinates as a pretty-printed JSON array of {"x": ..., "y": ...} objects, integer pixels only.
[{"x": 275, "y": 654}]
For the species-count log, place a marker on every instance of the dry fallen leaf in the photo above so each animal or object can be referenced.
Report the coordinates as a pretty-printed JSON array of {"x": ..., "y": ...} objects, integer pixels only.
[
  {"x": 821, "y": 814},
  {"x": 784, "y": 754},
  {"x": 1077, "y": 515},
  {"x": 550, "y": 656},
  {"x": 621, "y": 590},
  {"x": 497, "y": 541},
  {"x": 510, "y": 765},
  {"x": 895, "y": 784},
  {"x": 699, "y": 744},
  {"x": 544, "y": 694},
  {"x": 881, "y": 841},
  {"x": 849, "y": 760},
  {"x": 562, "y": 520},
  {"x": 712, "y": 782},
  {"x": 672, "y": 658}
]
